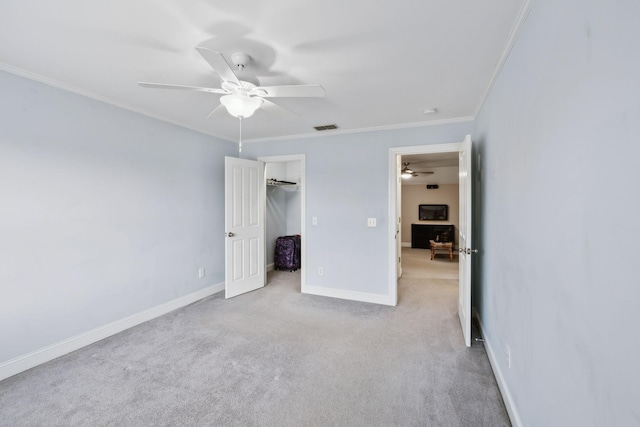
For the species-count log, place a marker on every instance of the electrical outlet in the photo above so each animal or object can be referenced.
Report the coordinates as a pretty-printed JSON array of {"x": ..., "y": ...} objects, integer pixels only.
[
  {"x": 200, "y": 273},
  {"x": 371, "y": 222},
  {"x": 320, "y": 271},
  {"x": 508, "y": 354},
  {"x": 314, "y": 220}
]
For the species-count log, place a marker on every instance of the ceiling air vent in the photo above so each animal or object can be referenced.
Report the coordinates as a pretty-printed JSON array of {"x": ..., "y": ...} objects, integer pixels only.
[{"x": 325, "y": 127}]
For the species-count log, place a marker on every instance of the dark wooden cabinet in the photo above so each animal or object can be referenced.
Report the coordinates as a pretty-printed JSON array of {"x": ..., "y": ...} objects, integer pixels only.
[{"x": 422, "y": 233}]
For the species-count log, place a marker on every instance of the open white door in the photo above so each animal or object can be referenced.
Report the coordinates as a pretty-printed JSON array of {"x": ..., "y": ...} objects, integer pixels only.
[
  {"x": 399, "y": 214},
  {"x": 464, "y": 242},
  {"x": 244, "y": 224}
]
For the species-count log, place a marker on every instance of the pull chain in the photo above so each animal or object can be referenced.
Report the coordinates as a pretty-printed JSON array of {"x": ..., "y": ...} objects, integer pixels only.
[{"x": 240, "y": 141}]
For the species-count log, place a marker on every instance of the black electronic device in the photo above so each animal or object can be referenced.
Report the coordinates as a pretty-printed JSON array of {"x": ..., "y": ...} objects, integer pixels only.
[{"x": 433, "y": 212}]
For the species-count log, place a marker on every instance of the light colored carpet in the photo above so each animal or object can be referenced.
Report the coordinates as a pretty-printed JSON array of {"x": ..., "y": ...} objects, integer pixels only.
[
  {"x": 273, "y": 357},
  {"x": 416, "y": 264}
]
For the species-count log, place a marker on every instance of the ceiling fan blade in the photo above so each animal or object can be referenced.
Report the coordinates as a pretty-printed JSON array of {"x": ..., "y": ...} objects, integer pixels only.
[
  {"x": 293, "y": 91},
  {"x": 219, "y": 64},
  {"x": 274, "y": 108},
  {"x": 219, "y": 111},
  {"x": 182, "y": 87}
]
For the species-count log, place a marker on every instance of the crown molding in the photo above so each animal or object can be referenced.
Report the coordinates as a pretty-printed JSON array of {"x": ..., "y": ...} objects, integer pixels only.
[
  {"x": 363, "y": 130},
  {"x": 513, "y": 36},
  {"x": 88, "y": 94}
]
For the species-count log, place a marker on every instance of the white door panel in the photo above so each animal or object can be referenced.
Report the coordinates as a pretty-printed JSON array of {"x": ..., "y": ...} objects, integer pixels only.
[
  {"x": 399, "y": 214},
  {"x": 244, "y": 226},
  {"x": 464, "y": 242}
]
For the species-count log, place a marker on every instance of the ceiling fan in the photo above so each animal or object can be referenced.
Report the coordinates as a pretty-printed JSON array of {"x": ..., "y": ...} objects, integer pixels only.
[
  {"x": 409, "y": 173},
  {"x": 241, "y": 96}
]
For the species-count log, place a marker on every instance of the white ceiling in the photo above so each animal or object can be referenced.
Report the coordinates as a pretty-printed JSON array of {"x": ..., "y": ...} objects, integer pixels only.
[{"x": 382, "y": 63}]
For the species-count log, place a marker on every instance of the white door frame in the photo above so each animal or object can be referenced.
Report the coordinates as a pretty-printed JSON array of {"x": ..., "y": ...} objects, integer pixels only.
[
  {"x": 303, "y": 209},
  {"x": 394, "y": 152}
]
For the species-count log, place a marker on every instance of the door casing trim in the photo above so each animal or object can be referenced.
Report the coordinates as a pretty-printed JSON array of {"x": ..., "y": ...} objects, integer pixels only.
[
  {"x": 303, "y": 208},
  {"x": 453, "y": 147}
]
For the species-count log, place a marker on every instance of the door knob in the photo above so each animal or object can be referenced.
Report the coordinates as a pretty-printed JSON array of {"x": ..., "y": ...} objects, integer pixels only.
[
  {"x": 471, "y": 251},
  {"x": 229, "y": 234}
]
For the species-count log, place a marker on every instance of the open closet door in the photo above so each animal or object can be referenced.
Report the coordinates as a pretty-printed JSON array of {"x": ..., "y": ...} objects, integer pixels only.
[
  {"x": 244, "y": 224},
  {"x": 464, "y": 242}
]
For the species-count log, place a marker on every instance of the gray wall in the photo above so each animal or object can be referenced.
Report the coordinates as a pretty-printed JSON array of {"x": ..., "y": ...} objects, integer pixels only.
[
  {"x": 103, "y": 213},
  {"x": 294, "y": 205},
  {"x": 558, "y": 215},
  {"x": 276, "y": 219},
  {"x": 347, "y": 182}
]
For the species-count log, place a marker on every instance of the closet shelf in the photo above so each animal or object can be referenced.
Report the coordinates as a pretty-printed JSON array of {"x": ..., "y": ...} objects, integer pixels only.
[
  {"x": 276, "y": 182},
  {"x": 286, "y": 185}
]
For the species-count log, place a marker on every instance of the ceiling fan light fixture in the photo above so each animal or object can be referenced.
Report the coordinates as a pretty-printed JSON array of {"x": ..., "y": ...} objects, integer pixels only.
[
  {"x": 241, "y": 90},
  {"x": 241, "y": 106},
  {"x": 406, "y": 173}
]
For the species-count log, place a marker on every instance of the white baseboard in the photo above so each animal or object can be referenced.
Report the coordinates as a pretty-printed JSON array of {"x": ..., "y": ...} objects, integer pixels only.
[
  {"x": 514, "y": 416},
  {"x": 349, "y": 295},
  {"x": 270, "y": 267},
  {"x": 38, "y": 357},
  {"x": 405, "y": 244}
]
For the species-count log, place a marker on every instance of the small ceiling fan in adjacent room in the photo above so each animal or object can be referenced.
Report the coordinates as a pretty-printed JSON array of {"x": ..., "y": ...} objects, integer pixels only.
[
  {"x": 407, "y": 172},
  {"x": 241, "y": 97}
]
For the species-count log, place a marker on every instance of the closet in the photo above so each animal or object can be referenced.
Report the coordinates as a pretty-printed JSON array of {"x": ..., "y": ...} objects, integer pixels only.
[{"x": 284, "y": 203}]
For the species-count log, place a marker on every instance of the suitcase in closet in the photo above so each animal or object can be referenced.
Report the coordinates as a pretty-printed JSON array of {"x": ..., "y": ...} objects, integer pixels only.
[{"x": 287, "y": 255}]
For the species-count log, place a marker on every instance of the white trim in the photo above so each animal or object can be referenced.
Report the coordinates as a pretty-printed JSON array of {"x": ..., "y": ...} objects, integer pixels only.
[
  {"x": 88, "y": 94},
  {"x": 302, "y": 158},
  {"x": 405, "y": 244},
  {"x": 349, "y": 295},
  {"x": 515, "y": 31},
  {"x": 400, "y": 151},
  {"x": 509, "y": 403},
  {"x": 363, "y": 130},
  {"x": 270, "y": 267},
  {"x": 38, "y": 357},
  {"x": 392, "y": 289}
]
